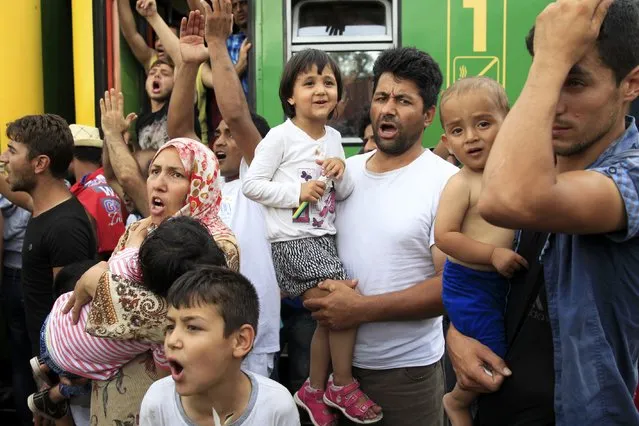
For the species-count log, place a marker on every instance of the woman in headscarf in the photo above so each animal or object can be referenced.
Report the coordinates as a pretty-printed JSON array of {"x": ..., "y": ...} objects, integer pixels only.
[{"x": 183, "y": 180}]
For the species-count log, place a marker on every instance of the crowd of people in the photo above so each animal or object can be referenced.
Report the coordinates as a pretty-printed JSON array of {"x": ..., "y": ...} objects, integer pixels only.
[{"x": 194, "y": 266}]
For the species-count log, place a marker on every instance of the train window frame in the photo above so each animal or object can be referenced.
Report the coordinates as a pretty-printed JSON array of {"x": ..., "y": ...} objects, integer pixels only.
[
  {"x": 380, "y": 43},
  {"x": 387, "y": 37}
]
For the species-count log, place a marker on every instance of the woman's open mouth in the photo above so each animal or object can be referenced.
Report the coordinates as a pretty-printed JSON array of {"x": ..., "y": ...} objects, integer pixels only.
[{"x": 157, "y": 206}]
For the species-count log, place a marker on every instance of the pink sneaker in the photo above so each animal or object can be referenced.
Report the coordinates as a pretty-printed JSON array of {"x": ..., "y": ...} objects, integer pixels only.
[
  {"x": 312, "y": 400},
  {"x": 347, "y": 400}
]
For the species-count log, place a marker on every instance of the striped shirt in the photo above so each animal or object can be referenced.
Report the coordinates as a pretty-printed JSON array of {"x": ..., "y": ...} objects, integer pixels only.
[{"x": 77, "y": 352}]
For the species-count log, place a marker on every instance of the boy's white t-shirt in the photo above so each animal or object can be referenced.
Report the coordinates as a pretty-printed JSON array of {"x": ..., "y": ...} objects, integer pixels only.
[
  {"x": 270, "y": 404},
  {"x": 385, "y": 230},
  {"x": 284, "y": 160},
  {"x": 246, "y": 220}
]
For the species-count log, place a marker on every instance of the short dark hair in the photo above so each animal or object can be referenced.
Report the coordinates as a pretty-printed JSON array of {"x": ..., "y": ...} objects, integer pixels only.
[
  {"x": 364, "y": 121},
  {"x": 261, "y": 124},
  {"x": 231, "y": 293},
  {"x": 46, "y": 134},
  {"x": 302, "y": 62},
  {"x": 618, "y": 41},
  {"x": 408, "y": 63},
  {"x": 168, "y": 62},
  {"x": 89, "y": 154},
  {"x": 176, "y": 246}
]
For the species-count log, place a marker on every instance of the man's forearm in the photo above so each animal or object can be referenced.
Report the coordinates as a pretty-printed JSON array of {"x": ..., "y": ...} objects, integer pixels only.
[
  {"x": 225, "y": 79},
  {"x": 231, "y": 99},
  {"x": 127, "y": 172},
  {"x": 169, "y": 39},
  {"x": 181, "y": 115},
  {"x": 521, "y": 166},
  {"x": 419, "y": 302}
]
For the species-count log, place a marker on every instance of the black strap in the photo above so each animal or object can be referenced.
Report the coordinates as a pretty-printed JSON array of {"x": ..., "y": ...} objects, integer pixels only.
[{"x": 520, "y": 308}]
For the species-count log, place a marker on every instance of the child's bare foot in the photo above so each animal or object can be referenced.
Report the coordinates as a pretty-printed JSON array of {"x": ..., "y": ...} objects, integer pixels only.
[{"x": 458, "y": 413}]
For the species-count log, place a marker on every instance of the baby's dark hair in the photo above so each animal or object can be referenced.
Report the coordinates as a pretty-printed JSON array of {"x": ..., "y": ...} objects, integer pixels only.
[
  {"x": 302, "y": 62},
  {"x": 175, "y": 247},
  {"x": 231, "y": 293},
  {"x": 464, "y": 86}
]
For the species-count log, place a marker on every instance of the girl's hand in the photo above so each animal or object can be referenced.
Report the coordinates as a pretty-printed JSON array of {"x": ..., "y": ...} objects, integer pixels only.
[
  {"x": 333, "y": 167},
  {"x": 312, "y": 191}
]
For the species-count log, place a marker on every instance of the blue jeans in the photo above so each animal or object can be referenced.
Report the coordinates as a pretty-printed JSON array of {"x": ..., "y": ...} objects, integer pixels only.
[
  {"x": 67, "y": 391},
  {"x": 18, "y": 340}
]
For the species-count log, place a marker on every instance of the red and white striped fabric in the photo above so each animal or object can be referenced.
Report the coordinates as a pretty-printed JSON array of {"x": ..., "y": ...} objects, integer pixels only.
[
  {"x": 77, "y": 352},
  {"x": 126, "y": 263}
]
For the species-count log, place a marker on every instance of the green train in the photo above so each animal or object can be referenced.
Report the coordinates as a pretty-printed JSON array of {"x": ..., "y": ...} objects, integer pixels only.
[
  {"x": 76, "y": 50},
  {"x": 466, "y": 37}
]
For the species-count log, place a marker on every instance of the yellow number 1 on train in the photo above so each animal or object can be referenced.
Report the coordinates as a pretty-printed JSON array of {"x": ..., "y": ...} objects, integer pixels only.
[{"x": 479, "y": 23}]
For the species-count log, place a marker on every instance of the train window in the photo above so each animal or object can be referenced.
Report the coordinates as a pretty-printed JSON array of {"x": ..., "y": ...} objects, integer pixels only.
[
  {"x": 357, "y": 77},
  {"x": 331, "y": 21},
  {"x": 354, "y": 33},
  {"x": 347, "y": 19}
]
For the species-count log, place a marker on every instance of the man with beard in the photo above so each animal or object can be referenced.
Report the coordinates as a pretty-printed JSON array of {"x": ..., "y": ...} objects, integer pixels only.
[
  {"x": 59, "y": 232},
  {"x": 389, "y": 217},
  {"x": 566, "y": 162}
]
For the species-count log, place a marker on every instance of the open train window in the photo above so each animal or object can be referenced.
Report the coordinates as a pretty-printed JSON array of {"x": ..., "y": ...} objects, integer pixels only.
[
  {"x": 330, "y": 21},
  {"x": 354, "y": 33}
]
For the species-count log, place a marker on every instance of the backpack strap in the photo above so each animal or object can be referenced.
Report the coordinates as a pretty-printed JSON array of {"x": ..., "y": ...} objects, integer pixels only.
[{"x": 519, "y": 308}]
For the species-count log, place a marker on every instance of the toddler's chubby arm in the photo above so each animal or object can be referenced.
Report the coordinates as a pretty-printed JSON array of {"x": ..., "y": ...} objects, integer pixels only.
[
  {"x": 258, "y": 184},
  {"x": 453, "y": 206}
]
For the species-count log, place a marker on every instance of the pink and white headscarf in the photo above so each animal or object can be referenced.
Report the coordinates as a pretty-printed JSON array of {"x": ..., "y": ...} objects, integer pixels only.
[{"x": 205, "y": 192}]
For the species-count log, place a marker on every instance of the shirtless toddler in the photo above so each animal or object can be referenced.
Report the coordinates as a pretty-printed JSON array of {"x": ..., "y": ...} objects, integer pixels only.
[{"x": 480, "y": 258}]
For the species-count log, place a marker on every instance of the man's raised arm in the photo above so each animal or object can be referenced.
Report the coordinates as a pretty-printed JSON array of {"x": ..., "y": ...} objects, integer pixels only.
[
  {"x": 124, "y": 166},
  {"x": 193, "y": 53},
  {"x": 522, "y": 187},
  {"x": 142, "y": 52},
  {"x": 226, "y": 83}
]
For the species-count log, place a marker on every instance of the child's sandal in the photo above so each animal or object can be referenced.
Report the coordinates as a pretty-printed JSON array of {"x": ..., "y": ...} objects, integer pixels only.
[
  {"x": 311, "y": 400},
  {"x": 347, "y": 400}
]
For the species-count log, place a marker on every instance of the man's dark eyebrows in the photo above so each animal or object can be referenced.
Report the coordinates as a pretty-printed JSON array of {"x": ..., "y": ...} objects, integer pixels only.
[{"x": 578, "y": 71}]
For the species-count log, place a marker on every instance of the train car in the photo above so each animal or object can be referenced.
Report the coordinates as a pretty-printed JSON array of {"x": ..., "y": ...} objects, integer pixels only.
[{"x": 69, "y": 51}]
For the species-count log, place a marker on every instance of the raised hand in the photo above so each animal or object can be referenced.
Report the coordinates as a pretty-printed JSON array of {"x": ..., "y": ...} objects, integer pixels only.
[
  {"x": 219, "y": 20},
  {"x": 146, "y": 8},
  {"x": 112, "y": 114},
  {"x": 192, "y": 46},
  {"x": 566, "y": 29}
]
